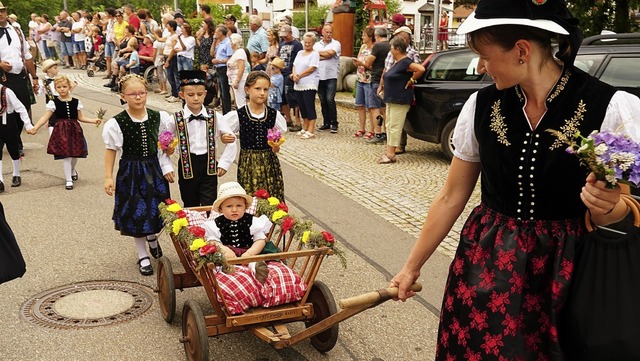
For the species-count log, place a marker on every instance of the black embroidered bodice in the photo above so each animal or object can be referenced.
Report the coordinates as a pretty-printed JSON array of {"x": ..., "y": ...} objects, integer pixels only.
[
  {"x": 66, "y": 109},
  {"x": 236, "y": 233},
  {"x": 140, "y": 138},
  {"x": 527, "y": 173},
  {"x": 253, "y": 132}
]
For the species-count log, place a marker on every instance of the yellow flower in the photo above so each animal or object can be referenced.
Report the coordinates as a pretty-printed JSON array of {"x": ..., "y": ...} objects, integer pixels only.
[
  {"x": 173, "y": 208},
  {"x": 305, "y": 236},
  {"x": 197, "y": 244},
  {"x": 278, "y": 214},
  {"x": 177, "y": 225},
  {"x": 273, "y": 201}
]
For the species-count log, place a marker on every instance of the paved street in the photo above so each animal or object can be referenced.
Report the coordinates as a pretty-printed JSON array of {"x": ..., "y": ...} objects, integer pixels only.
[{"x": 375, "y": 211}]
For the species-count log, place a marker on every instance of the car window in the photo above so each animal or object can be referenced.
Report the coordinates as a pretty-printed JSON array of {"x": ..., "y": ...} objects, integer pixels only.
[
  {"x": 462, "y": 66},
  {"x": 589, "y": 63},
  {"x": 622, "y": 72}
]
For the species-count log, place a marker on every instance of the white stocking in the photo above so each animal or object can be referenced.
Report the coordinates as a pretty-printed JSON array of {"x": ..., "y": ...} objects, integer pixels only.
[
  {"x": 153, "y": 241},
  {"x": 16, "y": 168},
  {"x": 74, "y": 161},
  {"x": 66, "y": 166},
  {"x": 141, "y": 247}
]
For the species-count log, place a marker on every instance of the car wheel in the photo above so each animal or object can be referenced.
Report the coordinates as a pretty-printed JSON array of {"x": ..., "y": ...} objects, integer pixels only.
[{"x": 446, "y": 138}]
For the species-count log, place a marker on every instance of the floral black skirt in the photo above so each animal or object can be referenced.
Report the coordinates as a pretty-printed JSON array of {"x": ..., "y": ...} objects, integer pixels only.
[
  {"x": 140, "y": 187},
  {"x": 507, "y": 283},
  {"x": 260, "y": 169}
]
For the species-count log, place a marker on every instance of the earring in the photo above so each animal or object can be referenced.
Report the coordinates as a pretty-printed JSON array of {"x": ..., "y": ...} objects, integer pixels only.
[{"x": 521, "y": 61}]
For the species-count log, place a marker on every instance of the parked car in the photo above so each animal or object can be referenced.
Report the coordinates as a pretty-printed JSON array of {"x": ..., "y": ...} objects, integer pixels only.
[{"x": 451, "y": 77}]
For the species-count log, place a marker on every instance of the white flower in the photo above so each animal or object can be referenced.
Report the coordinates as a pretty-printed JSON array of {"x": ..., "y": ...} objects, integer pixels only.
[
  {"x": 600, "y": 149},
  {"x": 611, "y": 178},
  {"x": 623, "y": 159}
]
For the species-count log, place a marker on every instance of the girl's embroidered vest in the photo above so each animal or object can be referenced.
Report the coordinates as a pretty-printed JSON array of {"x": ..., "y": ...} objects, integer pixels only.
[
  {"x": 236, "y": 233},
  {"x": 183, "y": 140},
  {"x": 253, "y": 132},
  {"x": 530, "y": 169},
  {"x": 140, "y": 138}
]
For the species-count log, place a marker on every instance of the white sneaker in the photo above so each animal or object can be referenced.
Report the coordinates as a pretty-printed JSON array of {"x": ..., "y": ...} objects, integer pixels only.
[
  {"x": 302, "y": 132},
  {"x": 308, "y": 135}
]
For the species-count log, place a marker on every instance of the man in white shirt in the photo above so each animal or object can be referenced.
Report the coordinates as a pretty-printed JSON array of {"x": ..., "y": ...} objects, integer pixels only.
[{"x": 329, "y": 50}]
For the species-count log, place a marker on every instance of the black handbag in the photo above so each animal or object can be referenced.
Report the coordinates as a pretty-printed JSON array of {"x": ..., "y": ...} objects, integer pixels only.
[
  {"x": 11, "y": 262},
  {"x": 602, "y": 316}
]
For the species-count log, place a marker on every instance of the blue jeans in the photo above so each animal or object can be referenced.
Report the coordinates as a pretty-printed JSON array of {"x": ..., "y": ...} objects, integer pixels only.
[
  {"x": 172, "y": 76},
  {"x": 327, "y": 94},
  {"x": 184, "y": 63},
  {"x": 223, "y": 86},
  {"x": 67, "y": 48}
]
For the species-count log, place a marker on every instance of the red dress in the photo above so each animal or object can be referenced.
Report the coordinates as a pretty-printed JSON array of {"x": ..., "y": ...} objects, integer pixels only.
[
  {"x": 443, "y": 29},
  {"x": 67, "y": 138}
]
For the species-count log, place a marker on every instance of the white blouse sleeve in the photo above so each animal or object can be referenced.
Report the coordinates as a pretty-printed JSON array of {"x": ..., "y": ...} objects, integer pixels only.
[
  {"x": 211, "y": 231},
  {"x": 260, "y": 227},
  {"x": 163, "y": 158},
  {"x": 230, "y": 149},
  {"x": 281, "y": 122},
  {"x": 50, "y": 106},
  {"x": 464, "y": 137},
  {"x": 80, "y": 106},
  {"x": 112, "y": 135},
  {"x": 623, "y": 115},
  {"x": 231, "y": 119}
]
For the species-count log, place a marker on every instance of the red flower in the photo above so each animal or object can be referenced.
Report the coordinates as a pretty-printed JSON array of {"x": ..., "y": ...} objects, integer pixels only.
[
  {"x": 181, "y": 214},
  {"x": 328, "y": 237},
  {"x": 283, "y": 206},
  {"x": 197, "y": 231},
  {"x": 208, "y": 249},
  {"x": 261, "y": 193},
  {"x": 169, "y": 201},
  {"x": 287, "y": 223}
]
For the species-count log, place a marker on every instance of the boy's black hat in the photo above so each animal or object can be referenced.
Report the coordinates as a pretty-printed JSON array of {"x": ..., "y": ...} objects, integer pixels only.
[{"x": 192, "y": 77}]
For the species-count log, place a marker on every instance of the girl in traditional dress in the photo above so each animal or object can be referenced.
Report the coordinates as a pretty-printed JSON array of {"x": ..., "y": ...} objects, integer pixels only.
[
  {"x": 144, "y": 171},
  {"x": 258, "y": 166},
  {"x": 510, "y": 277},
  {"x": 67, "y": 139}
]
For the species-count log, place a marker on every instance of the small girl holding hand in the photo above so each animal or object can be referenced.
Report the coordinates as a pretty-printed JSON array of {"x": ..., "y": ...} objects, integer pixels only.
[
  {"x": 144, "y": 172},
  {"x": 258, "y": 166},
  {"x": 67, "y": 140}
]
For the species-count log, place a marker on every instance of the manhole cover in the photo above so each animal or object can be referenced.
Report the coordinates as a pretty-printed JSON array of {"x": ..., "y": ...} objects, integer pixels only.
[{"x": 88, "y": 304}]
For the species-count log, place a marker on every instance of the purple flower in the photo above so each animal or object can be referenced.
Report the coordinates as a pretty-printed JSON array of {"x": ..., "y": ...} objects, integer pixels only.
[{"x": 273, "y": 135}]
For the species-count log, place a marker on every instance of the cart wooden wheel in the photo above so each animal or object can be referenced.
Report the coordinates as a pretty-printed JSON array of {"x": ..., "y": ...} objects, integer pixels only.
[
  {"x": 166, "y": 289},
  {"x": 323, "y": 306},
  {"x": 194, "y": 332}
]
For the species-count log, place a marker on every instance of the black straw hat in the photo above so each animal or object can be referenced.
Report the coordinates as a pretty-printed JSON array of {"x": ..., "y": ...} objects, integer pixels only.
[
  {"x": 550, "y": 15},
  {"x": 192, "y": 77}
]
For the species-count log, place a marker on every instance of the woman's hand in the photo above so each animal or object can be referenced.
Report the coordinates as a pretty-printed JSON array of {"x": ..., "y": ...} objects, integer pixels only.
[
  {"x": 403, "y": 280},
  {"x": 597, "y": 197},
  {"x": 108, "y": 186}
]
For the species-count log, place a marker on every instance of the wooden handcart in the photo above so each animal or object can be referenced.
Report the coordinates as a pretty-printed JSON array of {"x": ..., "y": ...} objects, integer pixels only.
[{"x": 317, "y": 308}]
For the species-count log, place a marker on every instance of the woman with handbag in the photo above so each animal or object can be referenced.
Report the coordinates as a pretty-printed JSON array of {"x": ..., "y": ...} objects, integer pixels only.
[{"x": 509, "y": 280}]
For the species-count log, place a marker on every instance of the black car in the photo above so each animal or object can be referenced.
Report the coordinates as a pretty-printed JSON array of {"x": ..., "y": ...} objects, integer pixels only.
[{"x": 451, "y": 77}]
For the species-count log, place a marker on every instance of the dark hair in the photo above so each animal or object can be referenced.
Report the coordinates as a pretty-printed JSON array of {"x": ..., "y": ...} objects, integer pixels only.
[
  {"x": 211, "y": 27},
  {"x": 45, "y": 17},
  {"x": 506, "y": 36},
  {"x": 172, "y": 24},
  {"x": 186, "y": 28},
  {"x": 399, "y": 44},
  {"x": 110, "y": 11},
  {"x": 142, "y": 14},
  {"x": 369, "y": 31},
  {"x": 254, "y": 76},
  {"x": 206, "y": 8},
  {"x": 131, "y": 29}
]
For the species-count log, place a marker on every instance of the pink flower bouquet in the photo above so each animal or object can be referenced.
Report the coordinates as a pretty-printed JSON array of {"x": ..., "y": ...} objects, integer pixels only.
[
  {"x": 166, "y": 141},
  {"x": 274, "y": 138}
]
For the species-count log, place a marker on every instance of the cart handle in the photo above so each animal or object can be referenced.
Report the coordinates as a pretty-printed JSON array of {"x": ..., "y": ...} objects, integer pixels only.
[{"x": 382, "y": 294}]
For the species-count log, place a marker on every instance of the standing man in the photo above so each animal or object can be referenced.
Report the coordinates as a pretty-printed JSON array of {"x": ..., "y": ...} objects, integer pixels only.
[
  {"x": 258, "y": 41},
  {"x": 205, "y": 11},
  {"x": 329, "y": 50},
  {"x": 66, "y": 43},
  {"x": 397, "y": 20},
  {"x": 230, "y": 23},
  {"x": 289, "y": 48},
  {"x": 16, "y": 61},
  {"x": 131, "y": 17},
  {"x": 222, "y": 52}
]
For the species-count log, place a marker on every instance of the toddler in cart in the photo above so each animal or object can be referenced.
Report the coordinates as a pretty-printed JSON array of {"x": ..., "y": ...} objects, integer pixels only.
[{"x": 241, "y": 234}]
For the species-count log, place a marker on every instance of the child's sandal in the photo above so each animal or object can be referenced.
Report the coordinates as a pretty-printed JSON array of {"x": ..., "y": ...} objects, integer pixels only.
[
  {"x": 368, "y": 136},
  {"x": 358, "y": 134}
]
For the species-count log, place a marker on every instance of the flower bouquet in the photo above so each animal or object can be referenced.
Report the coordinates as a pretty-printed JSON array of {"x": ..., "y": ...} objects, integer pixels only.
[
  {"x": 278, "y": 213},
  {"x": 275, "y": 138},
  {"x": 100, "y": 115},
  {"x": 612, "y": 157},
  {"x": 166, "y": 141},
  {"x": 175, "y": 221}
]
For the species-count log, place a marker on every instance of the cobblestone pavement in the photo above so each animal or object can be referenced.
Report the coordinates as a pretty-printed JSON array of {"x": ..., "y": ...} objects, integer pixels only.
[{"x": 401, "y": 193}]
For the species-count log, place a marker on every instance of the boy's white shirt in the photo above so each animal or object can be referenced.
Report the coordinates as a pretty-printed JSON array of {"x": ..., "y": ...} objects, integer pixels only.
[
  {"x": 52, "y": 86},
  {"x": 14, "y": 105},
  {"x": 197, "y": 130}
]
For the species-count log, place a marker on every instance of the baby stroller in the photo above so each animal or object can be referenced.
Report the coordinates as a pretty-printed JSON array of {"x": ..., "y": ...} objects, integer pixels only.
[{"x": 97, "y": 63}]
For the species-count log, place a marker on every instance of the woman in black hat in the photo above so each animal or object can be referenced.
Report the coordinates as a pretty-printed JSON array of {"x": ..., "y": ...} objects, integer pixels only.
[{"x": 509, "y": 278}]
